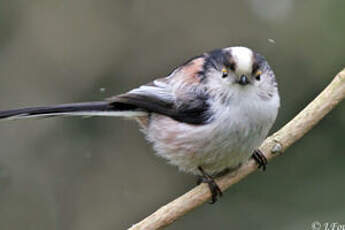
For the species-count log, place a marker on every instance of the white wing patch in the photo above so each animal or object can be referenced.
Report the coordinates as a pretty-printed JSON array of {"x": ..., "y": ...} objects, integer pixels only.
[{"x": 159, "y": 89}]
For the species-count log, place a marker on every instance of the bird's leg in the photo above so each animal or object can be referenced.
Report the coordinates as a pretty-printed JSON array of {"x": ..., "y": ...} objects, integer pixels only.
[
  {"x": 220, "y": 174},
  {"x": 214, "y": 189},
  {"x": 260, "y": 158}
]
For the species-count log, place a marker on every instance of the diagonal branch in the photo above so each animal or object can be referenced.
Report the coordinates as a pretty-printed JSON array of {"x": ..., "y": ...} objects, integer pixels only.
[{"x": 272, "y": 147}]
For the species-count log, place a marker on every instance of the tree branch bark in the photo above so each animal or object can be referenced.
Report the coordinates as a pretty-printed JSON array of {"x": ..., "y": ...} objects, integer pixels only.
[{"x": 273, "y": 146}]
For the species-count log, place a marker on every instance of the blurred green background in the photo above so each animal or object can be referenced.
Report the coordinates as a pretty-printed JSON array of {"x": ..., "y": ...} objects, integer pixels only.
[{"x": 99, "y": 173}]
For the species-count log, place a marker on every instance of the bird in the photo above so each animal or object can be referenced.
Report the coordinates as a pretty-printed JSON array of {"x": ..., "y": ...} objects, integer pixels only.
[{"x": 207, "y": 117}]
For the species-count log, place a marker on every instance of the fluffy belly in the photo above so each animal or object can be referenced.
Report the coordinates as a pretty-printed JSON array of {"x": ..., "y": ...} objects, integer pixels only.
[{"x": 214, "y": 147}]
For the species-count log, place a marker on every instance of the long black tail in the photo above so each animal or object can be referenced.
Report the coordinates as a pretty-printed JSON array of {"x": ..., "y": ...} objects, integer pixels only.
[{"x": 101, "y": 108}]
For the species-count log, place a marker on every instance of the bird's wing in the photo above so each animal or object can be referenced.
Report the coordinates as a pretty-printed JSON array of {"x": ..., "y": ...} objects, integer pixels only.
[
  {"x": 153, "y": 97},
  {"x": 177, "y": 96}
]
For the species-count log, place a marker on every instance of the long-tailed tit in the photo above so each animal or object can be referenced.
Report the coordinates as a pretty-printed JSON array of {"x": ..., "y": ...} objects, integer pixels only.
[{"x": 207, "y": 117}]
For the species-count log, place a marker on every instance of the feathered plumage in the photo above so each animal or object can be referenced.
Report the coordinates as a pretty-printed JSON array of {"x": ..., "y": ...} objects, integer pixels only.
[{"x": 207, "y": 116}]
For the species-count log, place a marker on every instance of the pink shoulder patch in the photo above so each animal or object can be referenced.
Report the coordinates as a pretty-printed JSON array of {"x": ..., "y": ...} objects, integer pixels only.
[{"x": 192, "y": 69}]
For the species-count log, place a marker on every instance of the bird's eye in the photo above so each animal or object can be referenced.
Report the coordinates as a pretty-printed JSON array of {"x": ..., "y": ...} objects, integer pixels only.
[
  {"x": 224, "y": 73},
  {"x": 258, "y": 75}
]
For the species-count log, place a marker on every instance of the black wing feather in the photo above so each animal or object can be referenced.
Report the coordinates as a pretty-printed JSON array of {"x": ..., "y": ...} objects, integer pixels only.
[
  {"x": 65, "y": 108},
  {"x": 194, "y": 111}
]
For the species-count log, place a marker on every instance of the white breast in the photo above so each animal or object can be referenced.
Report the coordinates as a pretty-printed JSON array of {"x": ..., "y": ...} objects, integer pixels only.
[{"x": 224, "y": 143}]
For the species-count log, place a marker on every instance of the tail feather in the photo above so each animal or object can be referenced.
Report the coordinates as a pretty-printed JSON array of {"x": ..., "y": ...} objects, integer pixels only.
[{"x": 102, "y": 108}]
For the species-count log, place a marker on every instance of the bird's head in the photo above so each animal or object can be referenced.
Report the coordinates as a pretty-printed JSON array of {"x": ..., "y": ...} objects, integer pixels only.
[{"x": 239, "y": 68}]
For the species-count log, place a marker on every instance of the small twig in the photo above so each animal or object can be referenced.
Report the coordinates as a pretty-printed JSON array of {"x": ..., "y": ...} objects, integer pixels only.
[{"x": 272, "y": 147}]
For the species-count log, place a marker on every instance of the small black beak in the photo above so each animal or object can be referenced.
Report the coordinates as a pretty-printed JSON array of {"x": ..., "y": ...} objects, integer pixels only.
[{"x": 243, "y": 80}]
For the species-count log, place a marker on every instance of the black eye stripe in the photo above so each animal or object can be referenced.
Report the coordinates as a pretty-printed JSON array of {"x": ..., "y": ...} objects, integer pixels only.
[
  {"x": 255, "y": 67},
  {"x": 232, "y": 66}
]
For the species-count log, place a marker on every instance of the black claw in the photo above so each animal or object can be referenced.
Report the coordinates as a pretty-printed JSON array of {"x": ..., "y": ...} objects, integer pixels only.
[
  {"x": 214, "y": 188},
  {"x": 260, "y": 158}
]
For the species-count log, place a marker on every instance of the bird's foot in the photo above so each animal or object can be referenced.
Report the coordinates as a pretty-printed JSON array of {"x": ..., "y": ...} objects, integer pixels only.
[
  {"x": 214, "y": 188},
  {"x": 260, "y": 158}
]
